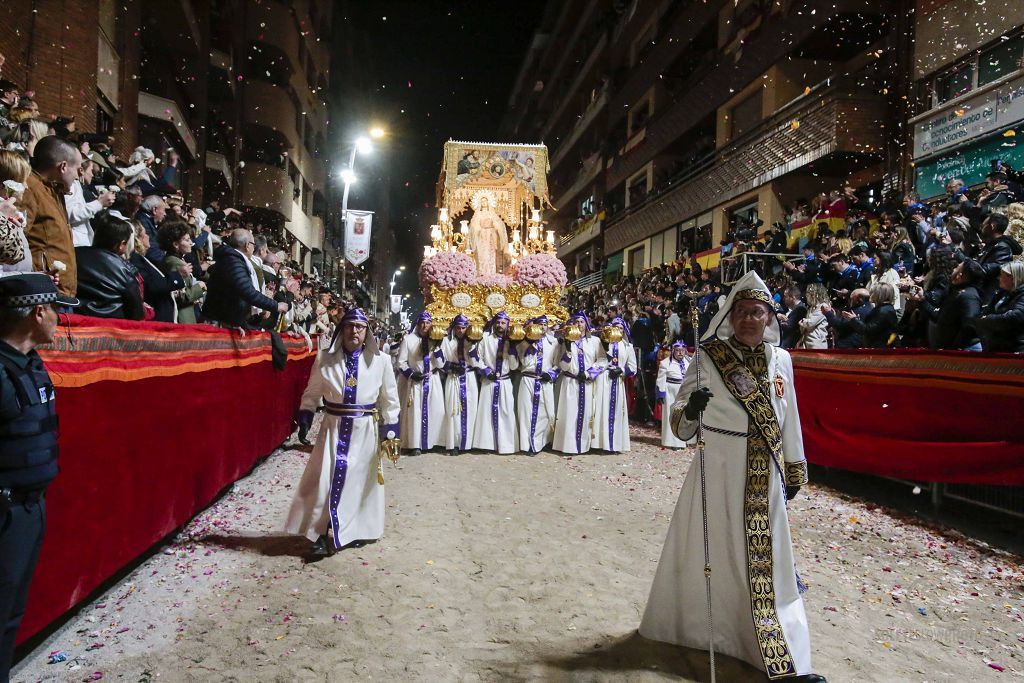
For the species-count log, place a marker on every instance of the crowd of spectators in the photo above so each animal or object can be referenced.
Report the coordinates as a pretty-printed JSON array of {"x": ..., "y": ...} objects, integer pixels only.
[
  {"x": 947, "y": 274},
  {"x": 118, "y": 235}
]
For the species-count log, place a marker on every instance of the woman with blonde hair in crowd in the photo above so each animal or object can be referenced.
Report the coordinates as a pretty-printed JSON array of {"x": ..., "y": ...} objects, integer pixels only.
[
  {"x": 879, "y": 325},
  {"x": 15, "y": 256},
  {"x": 814, "y": 326},
  {"x": 1002, "y": 325}
]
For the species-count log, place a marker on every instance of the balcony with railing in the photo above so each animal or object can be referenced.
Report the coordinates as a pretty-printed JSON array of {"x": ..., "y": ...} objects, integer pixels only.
[
  {"x": 267, "y": 187},
  {"x": 834, "y": 118},
  {"x": 709, "y": 88},
  {"x": 586, "y": 119}
]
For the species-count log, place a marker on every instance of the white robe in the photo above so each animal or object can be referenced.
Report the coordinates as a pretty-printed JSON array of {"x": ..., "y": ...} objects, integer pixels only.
[
  {"x": 670, "y": 379},
  {"x": 677, "y": 608},
  {"x": 338, "y": 493},
  {"x": 574, "y": 425},
  {"x": 421, "y": 421},
  {"x": 611, "y": 424},
  {"x": 536, "y": 400},
  {"x": 496, "y": 427},
  {"x": 460, "y": 394}
]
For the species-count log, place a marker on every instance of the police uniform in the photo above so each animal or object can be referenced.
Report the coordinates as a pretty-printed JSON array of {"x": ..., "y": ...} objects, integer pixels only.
[{"x": 28, "y": 458}]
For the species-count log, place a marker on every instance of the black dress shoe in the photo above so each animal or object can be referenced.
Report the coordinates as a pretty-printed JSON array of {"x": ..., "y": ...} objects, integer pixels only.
[
  {"x": 354, "y": 544},
  {"x": 415, "y": 451},
  {"x": 807, "y": 678},
  {"x": 322, "y": 547}
]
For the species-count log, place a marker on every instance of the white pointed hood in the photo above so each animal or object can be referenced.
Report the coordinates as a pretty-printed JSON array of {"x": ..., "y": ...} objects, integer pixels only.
[{"x": 721, "y": 325}]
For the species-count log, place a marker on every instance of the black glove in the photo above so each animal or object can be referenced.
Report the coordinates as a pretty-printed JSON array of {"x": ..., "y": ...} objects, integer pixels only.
[
  {"x": 303, "y": 432},
  {"x": 568, "y": 343},
  {"x": 614, "y": 372},
  {"x": 697, "y": 402},
  {"x": 545, "y": 378},
  {"x": 791, "y": 492},
  {"x": 416, "y": 376}
]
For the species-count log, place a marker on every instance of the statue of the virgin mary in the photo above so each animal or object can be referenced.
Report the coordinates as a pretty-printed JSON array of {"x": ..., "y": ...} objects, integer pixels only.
[{"x": 488, "y": 236}]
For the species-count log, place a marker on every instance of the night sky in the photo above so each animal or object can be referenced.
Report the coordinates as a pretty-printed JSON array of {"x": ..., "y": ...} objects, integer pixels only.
[{"x": 433, "y": 71}]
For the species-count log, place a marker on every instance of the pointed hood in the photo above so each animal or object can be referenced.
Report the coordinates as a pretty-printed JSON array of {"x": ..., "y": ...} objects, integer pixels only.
[
  {"x": 750, "y": 286},
  {"x": 355, "y": 315}
]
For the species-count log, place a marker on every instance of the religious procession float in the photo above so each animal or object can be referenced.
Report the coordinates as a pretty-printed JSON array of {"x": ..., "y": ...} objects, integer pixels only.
[{"x": 490, "y": 252}]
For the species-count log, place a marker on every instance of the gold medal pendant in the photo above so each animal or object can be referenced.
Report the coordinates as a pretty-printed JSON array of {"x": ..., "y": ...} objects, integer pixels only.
[
  {"x": 350, "y": 382},
  {"x": 780, "y": 386}
]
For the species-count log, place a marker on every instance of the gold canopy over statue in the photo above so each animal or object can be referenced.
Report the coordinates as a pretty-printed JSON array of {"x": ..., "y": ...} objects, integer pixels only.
[
  {"x": 499, "y": 258},
  {"x": 515, "y": 177}
]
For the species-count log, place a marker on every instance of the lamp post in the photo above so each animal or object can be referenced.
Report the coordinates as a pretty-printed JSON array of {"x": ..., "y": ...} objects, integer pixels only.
[{"x": 348, "y": 176}]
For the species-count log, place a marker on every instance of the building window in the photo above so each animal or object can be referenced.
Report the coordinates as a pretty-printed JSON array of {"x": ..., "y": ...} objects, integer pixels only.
[
  {"x": 1002, "y": 58},
  {"x": 587, "y": 206},
  {"x": 639, "y": 115},
  {"x": 954, "y": 82},
  {"x": 104, "y": 120},
  {"x": 638, "y": 187},
  {"x": 636, "y": 261},
  {"x": 746, "y": 115},
  {"x": 742, "y": 217}
]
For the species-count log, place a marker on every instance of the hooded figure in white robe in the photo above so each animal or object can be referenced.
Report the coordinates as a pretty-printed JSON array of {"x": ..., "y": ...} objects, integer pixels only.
[
  {"x": 611, "y": 424},
  {"x": 496, "y": 426},
  {"x": 581, "y": 363},
  {"x": 754, "y": 462},
  {"x": 671, "y": 371},
  {"x": 422, "y": 391},
  {"x": 538, "y": 361},
  {"x": 339, "y": 499},
  {"x": 456, "y": 355}
]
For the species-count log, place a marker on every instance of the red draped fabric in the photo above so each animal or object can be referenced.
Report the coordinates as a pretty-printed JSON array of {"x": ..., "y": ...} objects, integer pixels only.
[
  {"x": 935, "y": 416},
  {"x": 155, "y": 420}
]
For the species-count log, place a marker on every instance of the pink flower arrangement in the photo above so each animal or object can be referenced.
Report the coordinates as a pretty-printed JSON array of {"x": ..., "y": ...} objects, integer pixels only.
[
  {"x": 447, "y": 270},
  {"x": 540, "y": 270},
  {"x": 497, "y": 280}
]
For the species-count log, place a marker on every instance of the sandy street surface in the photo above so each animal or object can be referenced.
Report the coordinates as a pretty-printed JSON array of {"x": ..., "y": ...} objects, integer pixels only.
[{"x": 516, "y": 568}]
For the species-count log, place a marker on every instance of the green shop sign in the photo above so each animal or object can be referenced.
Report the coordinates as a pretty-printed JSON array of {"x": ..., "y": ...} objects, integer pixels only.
[{"x": 971, "y": 164}]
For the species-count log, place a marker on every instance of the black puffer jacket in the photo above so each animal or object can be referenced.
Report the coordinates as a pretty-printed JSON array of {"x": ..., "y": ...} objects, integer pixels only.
[
  {"x": 954, "y": 320},
  {"x": 231, "y": 295},
  {"x": 108, "y": 286},
  {"x": 876, "y": 326},
  {"x": 1002, "y": 326},
  {"x": 996, "y": 253}
]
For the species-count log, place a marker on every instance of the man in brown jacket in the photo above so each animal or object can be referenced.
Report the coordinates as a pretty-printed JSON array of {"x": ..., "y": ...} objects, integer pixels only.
[{"x": 55, "y": 165}]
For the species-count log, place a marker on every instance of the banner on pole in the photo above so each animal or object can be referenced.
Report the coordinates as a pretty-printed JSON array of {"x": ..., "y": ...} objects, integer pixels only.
[
  {"x": 357, "y": 235},
  {"x": 396, "y": 303}
]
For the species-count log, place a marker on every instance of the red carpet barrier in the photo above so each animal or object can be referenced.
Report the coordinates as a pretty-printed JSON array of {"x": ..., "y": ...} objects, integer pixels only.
[
  {"x": 155, "y": 420},
  {"x": 935, "y": 416}
]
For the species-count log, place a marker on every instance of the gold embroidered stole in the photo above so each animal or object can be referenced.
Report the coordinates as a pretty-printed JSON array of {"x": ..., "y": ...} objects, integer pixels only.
[{"x": 764, "y": 444}]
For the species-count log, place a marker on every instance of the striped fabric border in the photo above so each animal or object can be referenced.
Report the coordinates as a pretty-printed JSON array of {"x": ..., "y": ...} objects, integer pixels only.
[
  {"x": 88, "y": 350},
  {"x": 1000, "y": 374}
]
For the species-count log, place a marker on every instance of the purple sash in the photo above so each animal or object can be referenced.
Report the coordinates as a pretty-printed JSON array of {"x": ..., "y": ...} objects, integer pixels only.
[{"x": 344, "y": 442}]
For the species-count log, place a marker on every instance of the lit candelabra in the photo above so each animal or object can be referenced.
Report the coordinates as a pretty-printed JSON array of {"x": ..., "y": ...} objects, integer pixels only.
[
  {"x": 536, "y": 242},
  {"x": 444, "y": 236}
]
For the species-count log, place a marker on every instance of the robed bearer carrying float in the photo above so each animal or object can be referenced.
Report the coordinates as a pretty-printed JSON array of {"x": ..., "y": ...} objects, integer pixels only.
[
  {"x": 611, "y": 426},
  {"x": 421, "y": 390},
  {"x": 739, "y": 400},
  {"x": 538, "y": 354}
]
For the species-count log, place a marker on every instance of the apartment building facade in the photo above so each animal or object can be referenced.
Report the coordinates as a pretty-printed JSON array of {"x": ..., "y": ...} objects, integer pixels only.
[
  {"x": 670, "y": 123},
  {"x": 237, "y": 89},
  {"x": 968, "y": 105}
]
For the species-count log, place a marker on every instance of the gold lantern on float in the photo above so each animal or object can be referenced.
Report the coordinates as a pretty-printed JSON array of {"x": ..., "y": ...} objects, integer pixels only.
[
  {"x": 534, "y": 331},
  {"x": 436, "y": 333},
  {"x": 611, "y": 334},
  {"x": 516, "y": 332},
  {"x": 475, "y": 332},
  {"x": 573, "y": 332}
]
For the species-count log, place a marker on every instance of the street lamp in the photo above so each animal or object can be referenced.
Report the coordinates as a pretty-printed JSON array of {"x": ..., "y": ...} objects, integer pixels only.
[{"x": 362, "y": 145}]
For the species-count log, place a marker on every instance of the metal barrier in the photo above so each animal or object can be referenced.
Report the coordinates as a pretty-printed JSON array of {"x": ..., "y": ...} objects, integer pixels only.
[
  {"x": 733, "y": 268},
  {"x": 585, "y": 282}
]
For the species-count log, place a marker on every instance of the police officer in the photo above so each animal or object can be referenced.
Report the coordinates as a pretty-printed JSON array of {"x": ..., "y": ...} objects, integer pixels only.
[{"x": 28, "y": 440}]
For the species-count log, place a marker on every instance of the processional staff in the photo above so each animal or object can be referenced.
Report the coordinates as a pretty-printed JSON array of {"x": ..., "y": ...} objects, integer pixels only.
[{"x": 695, "y": 322}]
